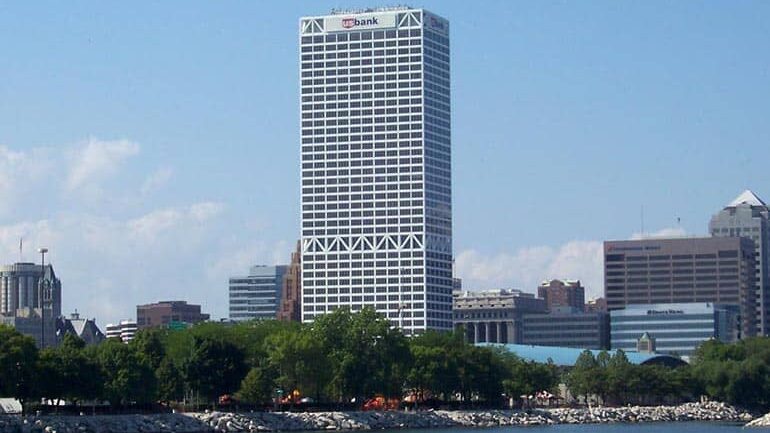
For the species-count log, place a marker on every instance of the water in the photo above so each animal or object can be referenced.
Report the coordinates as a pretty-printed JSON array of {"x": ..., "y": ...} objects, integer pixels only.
[{"x": 680, "y": 427}]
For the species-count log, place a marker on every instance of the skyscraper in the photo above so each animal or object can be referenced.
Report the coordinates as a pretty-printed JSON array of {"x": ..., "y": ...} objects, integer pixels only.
[
  {"x": 21, "y": 305},
  {"x": 376, "y": 165},
  {"x": 748, "y": 216}
]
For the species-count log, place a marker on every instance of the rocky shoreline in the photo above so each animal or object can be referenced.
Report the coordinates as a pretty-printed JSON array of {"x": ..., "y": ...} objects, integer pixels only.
[{"x": 225, "y": 422}]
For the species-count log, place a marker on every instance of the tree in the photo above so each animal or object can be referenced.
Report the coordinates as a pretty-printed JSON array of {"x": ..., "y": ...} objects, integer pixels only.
[
  {"x": 300, "y": 361},
  {"x": 367, "y": 355},
  {"x": 257, "y": 387},
  {"x": 170, "y": 381},
  {"x": 128, "y": 378},
  {"x": 148, "y": 344},
  {"x": 18, "y": 359},
  {"x": 582, "y": 380},
  {"x": 215, "y": 367},
  {"x": 51, "y": 380},
  {"x": 618, "y": 376}
]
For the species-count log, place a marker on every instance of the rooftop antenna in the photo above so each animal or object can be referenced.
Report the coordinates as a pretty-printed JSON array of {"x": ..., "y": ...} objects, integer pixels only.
[
  {"x": 21, "y": 249},
  {"x": 641, "y": 217}
]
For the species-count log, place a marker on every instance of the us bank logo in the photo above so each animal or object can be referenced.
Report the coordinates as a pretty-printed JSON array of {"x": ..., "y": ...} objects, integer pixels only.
[{"x": 349, "y": 23}]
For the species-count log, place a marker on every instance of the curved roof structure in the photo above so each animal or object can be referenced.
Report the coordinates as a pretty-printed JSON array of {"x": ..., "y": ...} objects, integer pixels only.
[{"x": 566, "y": 356}]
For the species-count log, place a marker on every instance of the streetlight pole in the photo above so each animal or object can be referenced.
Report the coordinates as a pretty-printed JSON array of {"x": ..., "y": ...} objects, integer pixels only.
[{"x": 41, "y": 296}]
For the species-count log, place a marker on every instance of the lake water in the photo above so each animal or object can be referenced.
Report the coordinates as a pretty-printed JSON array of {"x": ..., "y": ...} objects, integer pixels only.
[{"x": 680, "y": 427}]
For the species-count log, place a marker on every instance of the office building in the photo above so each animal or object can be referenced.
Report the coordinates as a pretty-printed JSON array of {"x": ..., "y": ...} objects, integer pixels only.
[
  {"x": 566, "y": 327},
  {"x": 683, "y": 270},
  {"x": 85, "y": 329},
  {"x": 257, "y": 295},
  {"x": 596, "y": 305},
  {"x": 677, "y": 328},
  {"x": 24, "y": 306},
  {"x": 494, "y": 316},
  {"x": 376, "y": 166},
  {"x": 291, "y": 289},
  {"x": 562, "y": 294},
  {"x": 748, "y": 216},
  {"x": 168, "y": 313},
  {"x": 125, "y": 330}
]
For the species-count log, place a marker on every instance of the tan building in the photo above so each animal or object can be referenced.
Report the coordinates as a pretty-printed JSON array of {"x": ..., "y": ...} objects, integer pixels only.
[
  {"x": 493, "y": 316},
  {"x": 562, "y": 294},
  {"x": 682, "y": 270}
]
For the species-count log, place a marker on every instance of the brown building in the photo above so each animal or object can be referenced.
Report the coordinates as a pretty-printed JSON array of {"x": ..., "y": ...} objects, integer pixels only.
[
  {"x": 682, "y": 270},
  {"x": 562, "y": 294},
  {"x": 165, "y": 312},
  {"x": 598, "y": 305},
  {"x": 291, "y": 289}
]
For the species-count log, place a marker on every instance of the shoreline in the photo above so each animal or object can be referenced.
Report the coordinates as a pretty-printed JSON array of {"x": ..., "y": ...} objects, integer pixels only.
[{"x": 228, "y": 422}]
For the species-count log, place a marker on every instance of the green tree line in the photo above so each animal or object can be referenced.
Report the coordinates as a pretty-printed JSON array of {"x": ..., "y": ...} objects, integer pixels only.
[
  {"x": 344, "y": 357},
  {"x": 341, "y": 357}
]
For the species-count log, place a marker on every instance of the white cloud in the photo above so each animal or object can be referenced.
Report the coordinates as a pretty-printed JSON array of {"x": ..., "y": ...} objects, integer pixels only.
[
  {"x": 21, "y": 173},
  {"x": 153, "y": 224},
  {"x": 97, "y": 159},
  {"x": 202, "y": 212},
  {"x": 156, "y": 180},
  {"x": 527, "y": 267},
  {"x": 668, "y": 232},
  {"x": 121, "y": 249}
]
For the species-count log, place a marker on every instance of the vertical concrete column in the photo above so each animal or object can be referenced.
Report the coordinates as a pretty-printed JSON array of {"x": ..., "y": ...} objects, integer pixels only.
[
  {"x": 500, "y": 332},
  {"x": 475, "y": 332},
  {"x": 486, "y": 332},
  {"x": 510, "y": 331}
]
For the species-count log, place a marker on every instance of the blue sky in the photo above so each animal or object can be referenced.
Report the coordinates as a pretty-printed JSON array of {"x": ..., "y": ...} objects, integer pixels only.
[{"x": 153, "y": 146}]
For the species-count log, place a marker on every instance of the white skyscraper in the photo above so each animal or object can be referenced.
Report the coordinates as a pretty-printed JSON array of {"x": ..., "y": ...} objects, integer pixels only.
[
  {"x": 749, "y": 217},
  {"x": 376, "y": 165}
]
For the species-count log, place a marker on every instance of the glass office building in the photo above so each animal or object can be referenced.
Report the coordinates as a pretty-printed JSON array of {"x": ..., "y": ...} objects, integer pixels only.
[
  {"x": 376, "y": 165},
  {"x": 257, "y": 295},
  {"x": 677, "y": 328}
]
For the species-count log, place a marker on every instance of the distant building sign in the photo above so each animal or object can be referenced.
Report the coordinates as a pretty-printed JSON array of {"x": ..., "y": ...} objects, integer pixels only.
[
  {"x": 360, "y": 22},
  {"x": 634, "y": 248},
  {"x": 663, "y": 312}
]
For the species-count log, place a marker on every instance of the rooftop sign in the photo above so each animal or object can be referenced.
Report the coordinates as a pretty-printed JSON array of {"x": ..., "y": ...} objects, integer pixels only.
[{"x": 343, "y": 23}]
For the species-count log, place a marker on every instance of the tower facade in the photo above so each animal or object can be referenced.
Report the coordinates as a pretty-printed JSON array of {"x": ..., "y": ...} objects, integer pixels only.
[
  {"x": 748, "y": 216},
  {"x": 376, "y": 166}
]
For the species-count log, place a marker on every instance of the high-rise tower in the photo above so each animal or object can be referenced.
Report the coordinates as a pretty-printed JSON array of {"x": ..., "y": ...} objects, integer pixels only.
[
  {"x": 748, "y": 216},
  {"x": 376, "y": 165}
]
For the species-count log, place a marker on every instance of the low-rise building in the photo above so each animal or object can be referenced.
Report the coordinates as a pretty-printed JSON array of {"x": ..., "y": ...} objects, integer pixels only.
[
  {"x": 125, "y": 330},
  {"x": 165, "y": 313},
  {"x": 82, "y": 328},
  {"x": 677, "y": 328},
  {"x": 493, "y": 316},
  {"x": 562, "y": 294},
  {"x": 567, "y": 327}
]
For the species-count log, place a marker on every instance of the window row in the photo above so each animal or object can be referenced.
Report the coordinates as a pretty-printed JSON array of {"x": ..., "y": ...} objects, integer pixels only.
[
  {"x": 363, "y": 35},
  {"x": 344, "y": 52},
  {"x": 330, "y": 68}
]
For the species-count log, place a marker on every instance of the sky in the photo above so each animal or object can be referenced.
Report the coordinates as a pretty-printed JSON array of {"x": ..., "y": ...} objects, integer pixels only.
[{"x": 153, "y": 147}]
